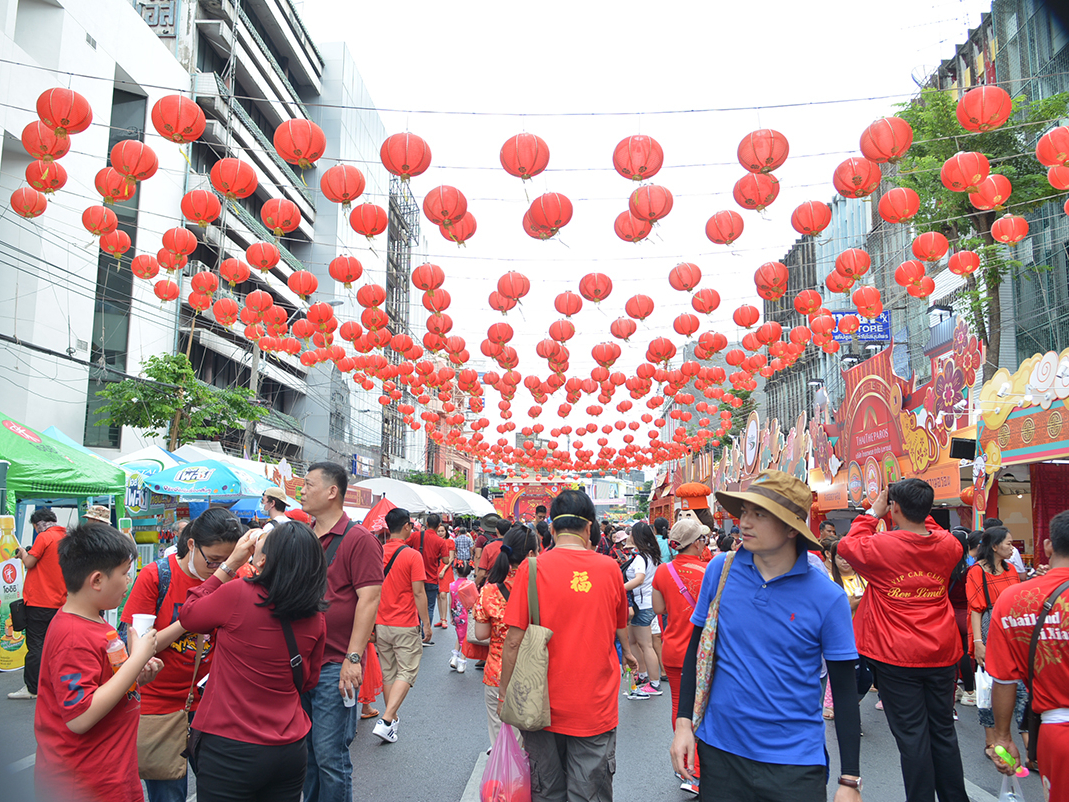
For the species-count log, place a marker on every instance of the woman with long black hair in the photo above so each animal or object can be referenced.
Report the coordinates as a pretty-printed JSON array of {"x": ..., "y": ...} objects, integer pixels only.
[
  {"x": 251, "y": 725},
  {"x": 489, "y": 612},
  {"x": 639, "y": 582},
  {"x": 959, "y": 600}
]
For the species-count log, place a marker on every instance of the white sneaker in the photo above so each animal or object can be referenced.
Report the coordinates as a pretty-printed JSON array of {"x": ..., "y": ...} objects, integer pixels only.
[
  {"x": 689, "y": 787},
  {"x": 462, "y": 664},
  {"x": 453, "y": 660},
  {"x": 22, "y": 693},
  {"x": 387, "y": 732},
  {"x": 636, "y": 694}
]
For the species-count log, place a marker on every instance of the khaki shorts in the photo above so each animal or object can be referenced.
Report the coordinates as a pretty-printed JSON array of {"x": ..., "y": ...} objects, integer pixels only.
[{"x": 400, "y": 649}]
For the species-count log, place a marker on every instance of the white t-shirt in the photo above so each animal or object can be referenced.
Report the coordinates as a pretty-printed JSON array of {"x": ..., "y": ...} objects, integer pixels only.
[
  {"x": 1016, "y": 561},
  {"x": 644, "y": 592}
]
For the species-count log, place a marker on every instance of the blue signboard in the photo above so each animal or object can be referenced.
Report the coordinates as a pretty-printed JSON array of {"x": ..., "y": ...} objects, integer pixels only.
[{"x": 876, "y": 330}]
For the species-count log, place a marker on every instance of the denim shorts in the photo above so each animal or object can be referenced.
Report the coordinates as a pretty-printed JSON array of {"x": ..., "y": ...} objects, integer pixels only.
[
  {"x": 643, "y": 618},
  {"x": 987, "y": 718}
]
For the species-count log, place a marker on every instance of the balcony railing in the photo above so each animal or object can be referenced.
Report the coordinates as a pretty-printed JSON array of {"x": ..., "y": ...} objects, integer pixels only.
[
  {"x": 258, "y": 228},
  {"x": 271, "y": 58},
  {"x": 941, "y": 334}
]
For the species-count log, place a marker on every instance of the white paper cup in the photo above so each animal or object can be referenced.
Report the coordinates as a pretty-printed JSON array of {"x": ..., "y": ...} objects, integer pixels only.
[
  {"x": 143, "y": 622},
  {"x": 350, "y": 701}
]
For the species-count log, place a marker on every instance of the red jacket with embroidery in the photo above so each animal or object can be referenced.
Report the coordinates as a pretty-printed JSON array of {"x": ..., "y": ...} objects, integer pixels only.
[{"x": 905, "y": 617}]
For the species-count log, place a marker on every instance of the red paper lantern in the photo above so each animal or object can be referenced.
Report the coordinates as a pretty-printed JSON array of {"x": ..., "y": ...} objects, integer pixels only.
[
  {"x": 342, "y": 183},
  {"x": 823, "y": 325},
  {"x": 836, "y": 282},
  {"x": 440, "y": 325},
  {"x": 853, "y": 263},
  {"x": 994, "y": 191},
  {"x": 886, "y": 140},
  {"x": 499, "y": 333},
  {"x": 605, "y": 354},
  {"x": 685, "y": 276},
  {"x": 1057, "y": 177},
  {"x": 660, "y": 349},
  {"x": 685, "y": 324},
  {"x": 930, "y": 246},
  {"x": 46, "y": 176},
  {"x": 848, "y": 324},
  {"x": 201, "y": 206},
  {"x": 345, "y": 269},
  {"x": 568, "y": 303},
  {"x": 705, "y": 301},
  {"x": 263, "y": 255},
  {"x": 1052, "y": 149},
  {"x": 650, "y": 203},
  {"x": 405, "y": 155},
  {"x": 374, "y": 319},
  {"x": 1009, "y": 229},
  {"x": 630, "y": 228},
  {"x": 769, "y": 333},
  {"x": 756, "y": 191},
  {"x": 963, "y": 263},
  {"x": 550, "y": 212},
  {"x": 746, "y": 316},
  {"x": 300, "y": 142},
  {"x": 735, "y": 357},
  {"x": 145, "y": 266},
  {"x": 763, "y": 151},
  {"x": 500, "y": 303},
  {"x": 260, "y": 301},
  {"x": 281, "y": 216},
  {"x": 513, "y": 285},
  {"x": 428, "y": 277},
  {"x": 234, "y": 271},
  {"x": 204, "y": 282},
  {"x": 112, "y": 185},
  {"x": 638, "y": 157},
  {"x": 461, "y": 231},
  {"x": 807, "y": 302},
  {"x": 984, "y": 108},
  {"x": 811, "y": 218},
  {"x": 445, "y": 205},
  {"x": 724, "y": 227},
  {"x": 437, "y": 301},
  {"x": 909, "y": 273},
  {"x": 28, "y": 202},
  {"x": 622, "y": 328},
  {"x": 41, "y": 142},
  {"x": 771, "y": 280},
  {"x": 800, "y": 335},
  {"x": 233, "y": 178},
  {"x": 524, "y": 155},
  {"x": 302, "y": 284},
  {"x": 595, "y": 287},
  {"x": 899, "y": 205},
  {"x": 225, "y": 311},
  {"x": 923, "y": 288},
  {"x": 639, "y": 307},
  {"x": 178, "y": 119},
  {"x": 165, "y": 290},
  {"x": 857, "y": 177},
  {"x": 371, "y": 295},
  {"x": 865, "y": 297},
  {"x": 179, "y": 241},
  {"x": 561, "y": 330},
  {"x": 368, "y": 219},
  {"x": 64, "y": 111},
  {"x": 199, "y": 301},
  {"x": 171, "y": 262},
  {"x": 115, "y": 243},
  {"x": 135, "y": 160},
  {"x": 537, "y": 232},
  {"x": 964, "y": 171}
]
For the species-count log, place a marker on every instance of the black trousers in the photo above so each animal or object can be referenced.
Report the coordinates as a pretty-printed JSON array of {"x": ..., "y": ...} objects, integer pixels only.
[
  {"x": 37, "y": 621},
  {"x": 235, "y": 771},
  {"x": 919, "y": 705},
  {"x": 728, "y": 776}
]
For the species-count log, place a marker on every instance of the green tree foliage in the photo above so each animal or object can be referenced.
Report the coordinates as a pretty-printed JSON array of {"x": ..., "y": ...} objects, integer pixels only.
[
  {"x": 1011, "y": 152},
  {"x": 642, "y": 499},
  {"x": 437, "y": 480},
  {"x": 171, "y": 402}
]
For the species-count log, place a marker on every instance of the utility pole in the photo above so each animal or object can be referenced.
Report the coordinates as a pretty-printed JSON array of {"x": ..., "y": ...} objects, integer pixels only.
[{"x": 254, "y": 385}]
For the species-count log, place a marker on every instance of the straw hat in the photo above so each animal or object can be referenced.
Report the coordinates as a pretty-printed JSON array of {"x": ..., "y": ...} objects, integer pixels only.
[
  {"x": 779, "y": 493},
  {"x": 98, "y": 512}
]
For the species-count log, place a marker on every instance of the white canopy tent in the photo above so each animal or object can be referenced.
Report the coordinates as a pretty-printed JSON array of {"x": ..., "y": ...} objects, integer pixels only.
[
  {"x": 464, "y": 502},
  {"x": 416, "y": 499}
]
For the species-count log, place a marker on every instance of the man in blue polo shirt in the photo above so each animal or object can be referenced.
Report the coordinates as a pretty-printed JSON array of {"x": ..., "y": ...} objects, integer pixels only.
[{"x": 762, "y": 732}]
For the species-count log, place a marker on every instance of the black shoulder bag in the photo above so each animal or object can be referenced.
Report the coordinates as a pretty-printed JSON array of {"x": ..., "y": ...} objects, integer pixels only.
[
  {"x": 1031, "y": 716},
  {"x": 335, "y": 543},
  {"x": 296, "y": 661}
]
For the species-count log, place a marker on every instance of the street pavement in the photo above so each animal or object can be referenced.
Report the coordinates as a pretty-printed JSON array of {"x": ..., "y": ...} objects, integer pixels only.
[{"x": 443, "y": 738}]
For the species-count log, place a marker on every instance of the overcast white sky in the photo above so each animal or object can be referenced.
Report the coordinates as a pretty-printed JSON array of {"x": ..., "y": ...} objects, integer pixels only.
[{"x": 552, "y": 67}]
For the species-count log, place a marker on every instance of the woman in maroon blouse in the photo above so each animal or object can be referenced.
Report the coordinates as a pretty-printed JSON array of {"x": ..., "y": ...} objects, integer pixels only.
[{"x": 251, "y": 724}]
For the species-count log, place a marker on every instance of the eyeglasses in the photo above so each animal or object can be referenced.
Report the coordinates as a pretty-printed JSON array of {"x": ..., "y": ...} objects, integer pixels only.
[{"x": 207, "y": 562}]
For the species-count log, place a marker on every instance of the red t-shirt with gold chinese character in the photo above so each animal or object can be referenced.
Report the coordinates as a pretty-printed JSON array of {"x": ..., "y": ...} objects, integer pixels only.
[{"x": 581, "y": 598}]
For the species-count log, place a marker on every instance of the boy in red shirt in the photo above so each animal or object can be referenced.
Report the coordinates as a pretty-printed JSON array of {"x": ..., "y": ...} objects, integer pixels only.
[{"x": 87, "y": 713}]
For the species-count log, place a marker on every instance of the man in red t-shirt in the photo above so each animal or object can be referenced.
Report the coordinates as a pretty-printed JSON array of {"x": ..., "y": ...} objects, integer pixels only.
[
  {"x": 43, "y": 592},
  {"x": 1013, "y": 618},
  {"x": 905, "y": 627},
  {"x": 402, "y": 614},
  {"x": 581, "y": 599},
  {"x": 354, "y": 583},
  {"x": 437, "y": 554}
]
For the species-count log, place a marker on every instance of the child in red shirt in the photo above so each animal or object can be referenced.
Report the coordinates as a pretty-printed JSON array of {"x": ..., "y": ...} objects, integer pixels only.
[{"x": 87, "y": 713}]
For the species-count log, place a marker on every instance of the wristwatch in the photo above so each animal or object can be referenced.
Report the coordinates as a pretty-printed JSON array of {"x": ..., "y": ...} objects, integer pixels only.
[
  {"x": 353, "y": 657},
  {"x": 850, "y": 782}
]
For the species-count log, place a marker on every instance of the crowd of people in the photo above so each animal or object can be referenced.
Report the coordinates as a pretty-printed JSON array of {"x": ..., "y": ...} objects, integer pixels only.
[{"x": 250, "y": 655}]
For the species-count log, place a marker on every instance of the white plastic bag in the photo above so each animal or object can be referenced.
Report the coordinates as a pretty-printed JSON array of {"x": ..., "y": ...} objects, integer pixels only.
[
  {"x": 983, "y": 689},
  {"x": 1011, "y": 790}
]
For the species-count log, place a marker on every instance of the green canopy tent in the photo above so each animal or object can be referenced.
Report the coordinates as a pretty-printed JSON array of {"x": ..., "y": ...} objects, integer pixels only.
[{"x": 43, "y": 468}]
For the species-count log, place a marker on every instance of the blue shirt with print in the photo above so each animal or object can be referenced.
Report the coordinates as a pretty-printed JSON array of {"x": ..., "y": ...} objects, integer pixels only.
[{"x": 766, "y": 700}]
